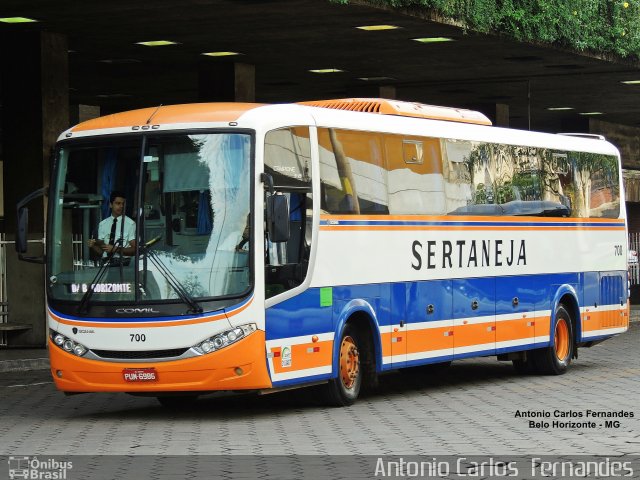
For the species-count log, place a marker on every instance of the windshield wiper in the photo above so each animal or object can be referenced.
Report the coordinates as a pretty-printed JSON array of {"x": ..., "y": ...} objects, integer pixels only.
[
  {"x": 162, "y": 268},
  {"x": 171, "y": 279},
  {"x": 84, "y": 303}
]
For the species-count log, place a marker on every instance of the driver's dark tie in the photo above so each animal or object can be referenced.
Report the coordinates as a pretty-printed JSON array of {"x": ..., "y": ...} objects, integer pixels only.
[{"x": 112, "y": 235}]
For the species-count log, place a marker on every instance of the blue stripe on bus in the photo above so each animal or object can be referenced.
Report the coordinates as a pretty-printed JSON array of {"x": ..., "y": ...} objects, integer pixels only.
[
  {"x": 422, "y": 361},
  {"x": 296, "y": 381},
  {"x": 519, "y": 348},
  {"x": 477, "y": 353},
  {"x": 599, "y": 337},
  {"x": 416, "y": 223},
  {"x": 106, "y": 320}
]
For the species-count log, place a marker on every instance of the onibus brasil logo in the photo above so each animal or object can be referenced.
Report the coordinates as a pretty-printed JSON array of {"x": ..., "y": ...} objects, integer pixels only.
[{"x": 37, "y": 469}]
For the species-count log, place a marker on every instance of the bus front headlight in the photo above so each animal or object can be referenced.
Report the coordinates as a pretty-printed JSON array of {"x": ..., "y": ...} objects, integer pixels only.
[
  {"x": 67, "y": 344},
  {"x": 224, "y": 339}
]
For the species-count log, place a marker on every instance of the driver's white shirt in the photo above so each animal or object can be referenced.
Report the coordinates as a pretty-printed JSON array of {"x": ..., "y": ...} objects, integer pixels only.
[{"x": 128, "y": 233}]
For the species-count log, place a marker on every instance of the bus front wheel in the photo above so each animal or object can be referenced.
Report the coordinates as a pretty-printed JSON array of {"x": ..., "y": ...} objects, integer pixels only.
[
  {"x": 344, "y": 389},
  {"x": 555, "y": 359}
]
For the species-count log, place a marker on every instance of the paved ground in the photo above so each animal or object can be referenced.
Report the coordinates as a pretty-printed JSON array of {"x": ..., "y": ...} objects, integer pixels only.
[{"x": 468, "y": 409}]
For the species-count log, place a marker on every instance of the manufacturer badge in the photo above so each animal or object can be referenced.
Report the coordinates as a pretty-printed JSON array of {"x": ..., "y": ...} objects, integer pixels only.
[{"x": 286, "y": 357}]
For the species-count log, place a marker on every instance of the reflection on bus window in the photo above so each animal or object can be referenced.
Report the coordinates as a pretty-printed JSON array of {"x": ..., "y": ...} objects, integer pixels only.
[
  {"x": 195, "y": 203},
  {"x": 496, "y": 179},
  {"x": 288, "y": 160},
  {"x": 352, "y": 173}
]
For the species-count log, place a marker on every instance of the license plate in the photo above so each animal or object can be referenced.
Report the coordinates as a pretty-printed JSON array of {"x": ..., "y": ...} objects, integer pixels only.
[{"x": 140, "y": 375}]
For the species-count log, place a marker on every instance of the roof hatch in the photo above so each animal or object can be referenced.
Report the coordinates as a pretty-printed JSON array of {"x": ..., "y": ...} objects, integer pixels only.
[{"x": 404, "y": 109}]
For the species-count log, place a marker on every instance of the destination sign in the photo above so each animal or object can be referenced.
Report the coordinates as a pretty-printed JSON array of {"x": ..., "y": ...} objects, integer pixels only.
[{"x": 102, "y": 287}]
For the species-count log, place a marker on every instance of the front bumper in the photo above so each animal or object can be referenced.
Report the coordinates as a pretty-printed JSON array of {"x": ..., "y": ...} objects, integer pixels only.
[{"x": 241, "y": 366}]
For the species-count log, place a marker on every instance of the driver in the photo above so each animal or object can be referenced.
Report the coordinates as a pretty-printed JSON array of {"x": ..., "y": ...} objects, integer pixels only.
[{"x": 115, "y": 227}]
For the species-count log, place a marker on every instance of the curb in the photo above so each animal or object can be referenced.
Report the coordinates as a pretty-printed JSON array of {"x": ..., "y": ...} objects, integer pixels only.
[{"x": 20, "y": 365}]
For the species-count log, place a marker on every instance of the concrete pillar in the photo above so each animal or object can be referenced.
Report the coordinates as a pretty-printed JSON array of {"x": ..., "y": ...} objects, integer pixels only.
[
  {"x": 81, "y": 113},
  {"x": 35, "y": 109},
  {"x": 498, "y": 113},
  {"x": 371, "y": 91},
  {"x": 226, "y": 82},
  {"x": 387, "y": 91},
  {"x": 1, "y": 190},
  {"x": 572, "y": 123},
  {"x": 502, "y": 115},
  {"x": 625, "y": 137}
]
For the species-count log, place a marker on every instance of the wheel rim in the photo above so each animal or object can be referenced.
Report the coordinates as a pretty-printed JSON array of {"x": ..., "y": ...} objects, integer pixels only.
[
  {"x": 349, "y": 362},
  {"x": 562, "y": 339}
]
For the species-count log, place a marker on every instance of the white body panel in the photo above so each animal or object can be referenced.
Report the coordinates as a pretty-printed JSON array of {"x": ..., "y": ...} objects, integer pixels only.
[{"x": 369, "y": 256}]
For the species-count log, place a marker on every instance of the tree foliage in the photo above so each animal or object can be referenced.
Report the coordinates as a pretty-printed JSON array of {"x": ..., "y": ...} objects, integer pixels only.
[{"x": 597, "y": 26}]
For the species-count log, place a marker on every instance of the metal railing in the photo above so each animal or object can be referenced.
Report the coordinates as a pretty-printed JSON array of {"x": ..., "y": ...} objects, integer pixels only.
[
  {"x": 4, "y": 310},
  {"x": 4, "y": 301},
  {"x": 634, "y": 267}
]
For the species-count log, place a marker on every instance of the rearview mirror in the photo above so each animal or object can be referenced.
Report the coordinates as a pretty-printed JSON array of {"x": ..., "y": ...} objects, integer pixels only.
[
  {"x": 22, "y": 227},
  {"x": 278, "y": 218}
]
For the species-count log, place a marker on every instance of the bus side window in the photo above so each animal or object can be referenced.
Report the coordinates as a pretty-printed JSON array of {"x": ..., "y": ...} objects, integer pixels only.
[
  {"x": 352, "y": 172},
  {"x": 415, "y": 175}
]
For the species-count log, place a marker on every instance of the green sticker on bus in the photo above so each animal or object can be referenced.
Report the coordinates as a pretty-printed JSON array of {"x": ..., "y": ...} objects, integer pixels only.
[{"x": 326, "y": 296}]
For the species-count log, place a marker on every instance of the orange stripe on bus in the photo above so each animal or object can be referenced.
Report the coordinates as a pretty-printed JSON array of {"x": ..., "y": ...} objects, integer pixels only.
[
  {"x": 302, "y": 358},
  {"x": 428, "y": 339},
  {"x": 458, "y": 227},
  {"x": 473, "y": 334},
  {"x": 466, "y": 218},
  {"x": 594, "y": 320},
  {"x": 515, "y": 329},
  {"x": 543, "y": 326},
  {"x": 385, "y": 339}
]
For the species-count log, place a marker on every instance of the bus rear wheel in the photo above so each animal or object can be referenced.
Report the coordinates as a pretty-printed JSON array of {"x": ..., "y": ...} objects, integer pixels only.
[
  {"x": 344, "y": 389},
  {"x": 555, "y": 359}
]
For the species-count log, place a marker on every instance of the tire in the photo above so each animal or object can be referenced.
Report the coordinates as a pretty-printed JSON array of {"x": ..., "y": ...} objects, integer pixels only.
[
  {"x": 178, "y": 402},
  {"x": 344, "y": 389},
  {"x": 555, "y": 359}
]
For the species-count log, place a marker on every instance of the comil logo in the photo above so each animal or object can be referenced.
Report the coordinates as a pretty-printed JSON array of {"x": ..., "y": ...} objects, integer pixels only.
[
  {"x": 129, "y": 310},
  {"x": 38, "y": 469}
]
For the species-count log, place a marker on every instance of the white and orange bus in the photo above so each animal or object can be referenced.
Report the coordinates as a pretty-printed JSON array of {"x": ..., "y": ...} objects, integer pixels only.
[{"x": 327, "y": 242}]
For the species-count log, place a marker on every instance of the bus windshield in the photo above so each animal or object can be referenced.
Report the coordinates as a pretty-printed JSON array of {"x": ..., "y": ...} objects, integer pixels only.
[{"x": 160, "y": 218}]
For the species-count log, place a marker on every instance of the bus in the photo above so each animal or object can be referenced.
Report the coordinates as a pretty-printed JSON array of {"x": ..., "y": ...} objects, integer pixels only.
[{"x": 324, "y": 243}]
